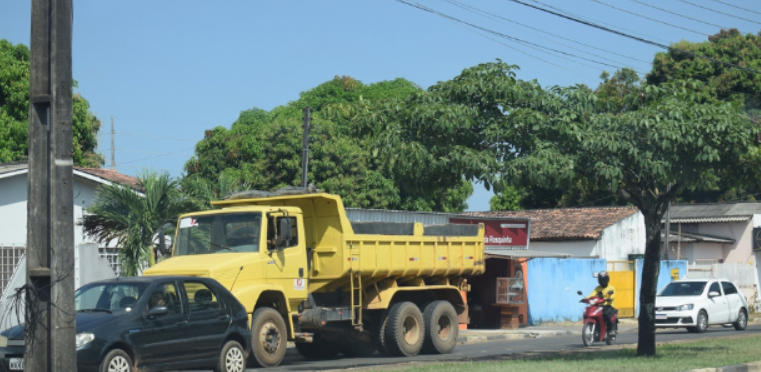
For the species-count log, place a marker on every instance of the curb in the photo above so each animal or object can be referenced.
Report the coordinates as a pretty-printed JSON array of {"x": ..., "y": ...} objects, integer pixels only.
[
  {"x": 745, "y": 367},
  {"x": 462, "y": 340}
]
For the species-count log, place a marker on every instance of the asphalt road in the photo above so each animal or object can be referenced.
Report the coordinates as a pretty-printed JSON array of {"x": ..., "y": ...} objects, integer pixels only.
[{"x": 492, "y": 349}]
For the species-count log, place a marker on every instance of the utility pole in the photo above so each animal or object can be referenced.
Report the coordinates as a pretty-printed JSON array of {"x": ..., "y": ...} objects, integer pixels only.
[
  {"x": 305, "y": 150},
  {"x": 50, "y": 315},
  {"x": 113, "y": 150}
]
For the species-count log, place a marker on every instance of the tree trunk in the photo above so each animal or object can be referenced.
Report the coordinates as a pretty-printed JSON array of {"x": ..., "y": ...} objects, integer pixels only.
[{"x": 650, "y": 270}]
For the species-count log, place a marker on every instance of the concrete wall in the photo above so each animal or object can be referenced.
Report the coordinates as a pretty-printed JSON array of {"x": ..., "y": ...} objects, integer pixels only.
[
  {"x": 552, "y": 285},
  {"x": 664, "y": 276},
  {"x": 578, "y": 248},
  {"x": 623, "y": 238}
]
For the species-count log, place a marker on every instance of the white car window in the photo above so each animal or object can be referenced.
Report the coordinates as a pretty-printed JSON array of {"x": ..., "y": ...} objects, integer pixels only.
[{"x": 729, "y": 288}]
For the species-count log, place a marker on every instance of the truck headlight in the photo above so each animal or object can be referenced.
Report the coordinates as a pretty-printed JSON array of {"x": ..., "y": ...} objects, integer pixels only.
[
  {"x": 84, "y": 339},
  {"x": 684, "y": 307}
]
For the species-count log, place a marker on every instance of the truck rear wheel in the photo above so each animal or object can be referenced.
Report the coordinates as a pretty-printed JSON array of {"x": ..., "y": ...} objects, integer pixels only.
[
  {"x": 319, "y": 349},
  {"x": 269, "y": 337},
  {"x": 441, "y": 328},
  {"x": 379, "y": 334},
  {"x": 405, "y": 330}
]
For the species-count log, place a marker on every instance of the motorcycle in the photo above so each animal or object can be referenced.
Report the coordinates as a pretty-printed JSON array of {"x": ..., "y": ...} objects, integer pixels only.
[{"x": 594, "y": 329}]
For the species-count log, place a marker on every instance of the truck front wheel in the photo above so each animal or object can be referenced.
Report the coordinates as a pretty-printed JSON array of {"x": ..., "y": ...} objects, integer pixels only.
[
  {"x": 269, "y": 337},
  {"x": 405, "y": 329},
  {"x": 441, "y": 328}
]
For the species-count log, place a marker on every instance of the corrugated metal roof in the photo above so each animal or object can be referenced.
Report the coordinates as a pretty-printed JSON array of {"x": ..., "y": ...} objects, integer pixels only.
[
  {"x": 710, "y": 219},
  {"x": 714, "y": 212},
  {"x": 524, "y": 254},
  {"x": 697, "y": 238}
]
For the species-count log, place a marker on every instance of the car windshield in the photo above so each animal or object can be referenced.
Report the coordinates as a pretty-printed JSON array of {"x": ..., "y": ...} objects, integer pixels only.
[
  {"x": 683, "y": 289},
  {"x": 219, "y": 233},
  {"x": 108, "y": 297}
]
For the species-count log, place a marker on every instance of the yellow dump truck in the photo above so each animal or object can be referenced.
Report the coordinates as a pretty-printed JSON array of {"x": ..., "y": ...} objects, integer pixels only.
[{"x": 306, "y": 274}]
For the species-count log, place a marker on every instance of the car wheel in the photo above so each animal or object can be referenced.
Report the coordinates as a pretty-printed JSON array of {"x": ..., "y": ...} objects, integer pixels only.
[
  {"x": 405, "y": 330},
  {"x": 742, "y": 320},
  {"x": 232, "y": 358},
  {"x": 268, "y": 337},
  {"x": 702, "y": 322},
  {"x": 116, "y": 361},
  {"x": 441, "y": 328}
]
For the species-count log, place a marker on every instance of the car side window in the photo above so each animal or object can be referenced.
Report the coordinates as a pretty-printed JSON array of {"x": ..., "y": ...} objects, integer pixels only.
[
  {"x": 729, "y": 288},
  {"x": 166, "y": 295},
  {"x": 715, "y": 288},
  {"x": 200, "y": 297}
]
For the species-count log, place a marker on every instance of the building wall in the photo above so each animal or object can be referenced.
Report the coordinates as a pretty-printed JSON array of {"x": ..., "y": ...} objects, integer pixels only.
[
  {"x": 623, "y": 238},
  {"x": 664, "y": 276},
  {"x": 578, "y": 248},
  {"x": 552, "y": 285}
]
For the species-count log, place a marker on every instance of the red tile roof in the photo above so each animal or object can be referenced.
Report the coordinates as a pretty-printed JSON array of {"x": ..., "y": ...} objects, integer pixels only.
[
  {"x": 568, "y": 223},
  {"x": 113, "y": 176}
]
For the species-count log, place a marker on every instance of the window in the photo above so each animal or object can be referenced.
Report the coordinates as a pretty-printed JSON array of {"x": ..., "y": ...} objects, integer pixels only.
[
  {"x": 166, "y": 295},
  {"x": 683, "y": 289},
  {"x": 115, "y": 297},
  {"x": 729, "y": 288},
  {"x": 714, "y": 288},
  {"x": 219, "y": 233},
  {"x": 200, "y": 297},
  {"x": 272, "y": 222}
]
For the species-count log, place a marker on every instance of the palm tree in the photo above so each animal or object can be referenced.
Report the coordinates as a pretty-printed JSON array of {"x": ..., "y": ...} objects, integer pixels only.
[{"x": 123, "y": 214}]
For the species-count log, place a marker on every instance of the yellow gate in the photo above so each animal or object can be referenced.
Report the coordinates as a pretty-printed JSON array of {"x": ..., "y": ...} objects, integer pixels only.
[{"x": 622, "y": 278}]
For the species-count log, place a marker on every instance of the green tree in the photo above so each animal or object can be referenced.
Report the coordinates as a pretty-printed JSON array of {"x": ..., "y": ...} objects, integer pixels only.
[
  {"x": 14, "y": 112},
  {"x": 122, "y": 214},
  {"x": 262, "y": 150},
  {"x": 507, "y": 199},
  {"x": 487, "y": 125}
]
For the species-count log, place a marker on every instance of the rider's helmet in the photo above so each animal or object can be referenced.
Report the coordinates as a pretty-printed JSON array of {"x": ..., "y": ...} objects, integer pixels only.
[{"x": 603, "y": 278}]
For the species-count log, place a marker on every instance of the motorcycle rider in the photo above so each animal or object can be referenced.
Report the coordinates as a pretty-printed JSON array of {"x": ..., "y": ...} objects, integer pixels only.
[{"x": 603, "y": 290}]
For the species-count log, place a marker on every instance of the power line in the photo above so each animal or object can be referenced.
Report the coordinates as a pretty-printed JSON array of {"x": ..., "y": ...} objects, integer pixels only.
[
  {"x": 678, "y": 14},
  {"x": 720, "y": 12},
  {"x": 643, "y": 40},
  {"x": 477, "y": 10},
  {"x": 515, "y": 39},
  {"x": 735, "y": 6},
  {"x": 652, "y": 19}
]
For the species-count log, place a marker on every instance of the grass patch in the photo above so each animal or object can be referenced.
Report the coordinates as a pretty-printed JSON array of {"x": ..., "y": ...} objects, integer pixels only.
[{"x": 670, "y": 357}]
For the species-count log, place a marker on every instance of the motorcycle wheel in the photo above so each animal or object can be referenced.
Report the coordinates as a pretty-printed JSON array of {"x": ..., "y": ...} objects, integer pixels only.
[
  {"x": 610, "y": 340},
  {"x": 588, "y": 334}
]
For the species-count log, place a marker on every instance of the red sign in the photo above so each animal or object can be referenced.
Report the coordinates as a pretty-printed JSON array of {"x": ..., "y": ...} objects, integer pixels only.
[{"x": 501, "y": 233}]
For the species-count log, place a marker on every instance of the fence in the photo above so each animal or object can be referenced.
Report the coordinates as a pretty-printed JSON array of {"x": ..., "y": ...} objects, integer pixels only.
[
  {"x": 112, "y": 255},
  {"x": 743, "y": 275}
]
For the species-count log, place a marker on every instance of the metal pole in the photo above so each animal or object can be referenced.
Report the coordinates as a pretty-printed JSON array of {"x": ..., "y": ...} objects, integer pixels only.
[
  {"x": 667, "y": 229},
  {"x": 305, "y": 150},
  {"x": 113, "y": 149},
  {"x": 50, "y": 220}
]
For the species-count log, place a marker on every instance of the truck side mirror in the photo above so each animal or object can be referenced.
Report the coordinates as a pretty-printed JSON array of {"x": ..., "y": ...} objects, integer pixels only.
[
  {"x": 284, "y": 234},
  {"x": 162, "y": 242}
]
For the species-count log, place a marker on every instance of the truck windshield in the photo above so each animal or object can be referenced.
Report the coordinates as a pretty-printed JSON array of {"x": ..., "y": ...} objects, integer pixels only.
[{"x": 219, "y": 233}]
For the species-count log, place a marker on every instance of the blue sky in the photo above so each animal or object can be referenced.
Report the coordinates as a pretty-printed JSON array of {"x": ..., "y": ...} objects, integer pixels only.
[{"x": 167, "y": 71}]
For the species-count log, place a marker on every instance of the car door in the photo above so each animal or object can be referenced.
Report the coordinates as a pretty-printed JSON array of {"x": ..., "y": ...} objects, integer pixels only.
[
  {"x": 209, "y": 319},
  {"x": 160, "y": 339},
  {"x": 718, "y": 312},
  {"x": 734, "y": 300},
  {"x": 287, "y": 265}
]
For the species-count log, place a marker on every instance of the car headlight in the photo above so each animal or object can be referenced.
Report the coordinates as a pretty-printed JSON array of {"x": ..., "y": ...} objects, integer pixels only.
[
  {"x": 685, "y": 307},
  {"x": 84, "y": 339},
  {"x": 3, "y": 341}
]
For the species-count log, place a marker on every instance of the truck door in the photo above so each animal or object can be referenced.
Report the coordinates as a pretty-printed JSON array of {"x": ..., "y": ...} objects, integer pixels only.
[{"x": 287, "y": 261}]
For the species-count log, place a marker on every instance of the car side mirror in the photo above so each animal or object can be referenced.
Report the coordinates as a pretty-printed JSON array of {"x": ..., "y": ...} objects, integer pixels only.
[
  {"x": 713, "y": 294},
  {"x": 578, "y": 293},
  {"x": 157, "y": 311}
]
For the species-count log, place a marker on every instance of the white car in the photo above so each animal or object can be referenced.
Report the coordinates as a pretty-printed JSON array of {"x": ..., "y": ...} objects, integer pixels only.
[{"x": 696, "y": 303}]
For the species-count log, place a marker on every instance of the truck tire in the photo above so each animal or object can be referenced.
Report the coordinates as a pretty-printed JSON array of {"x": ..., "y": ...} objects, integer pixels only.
[
  {"x": 319, "y": 349},
  {"x": 269, "y": 338},
  {"x": 441, "y": 328},
  {"x": 379, "y": 334},
  {"x": 405, "y": 330}
]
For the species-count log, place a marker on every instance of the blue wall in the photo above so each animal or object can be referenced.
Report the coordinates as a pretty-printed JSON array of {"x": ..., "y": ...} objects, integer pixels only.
[
  {"x": 552, "y": 285},
  {"x": 664, "y": 276}
]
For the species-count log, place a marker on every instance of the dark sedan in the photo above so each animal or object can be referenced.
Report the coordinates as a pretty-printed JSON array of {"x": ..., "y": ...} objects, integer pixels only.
[{"x": 153, "y": 323}]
